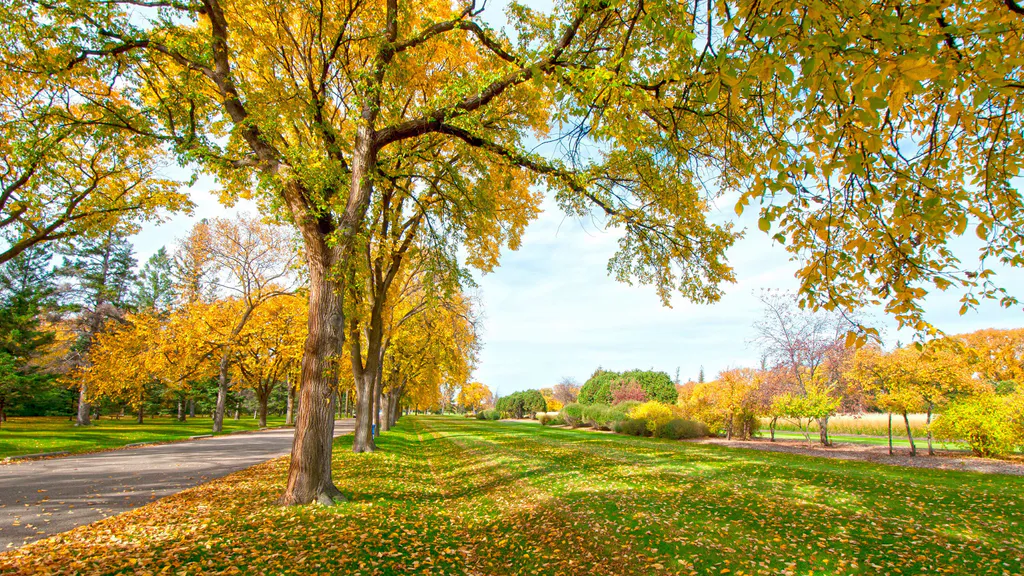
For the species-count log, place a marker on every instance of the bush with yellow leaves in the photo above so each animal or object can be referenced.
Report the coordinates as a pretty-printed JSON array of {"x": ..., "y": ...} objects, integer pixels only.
[{"x": 654, "y": 413}]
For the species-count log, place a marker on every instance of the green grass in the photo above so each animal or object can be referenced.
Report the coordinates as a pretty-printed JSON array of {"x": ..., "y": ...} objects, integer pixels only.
[
  {"x": 460, "y": 496},
  {"x": 19, "y": 436}
]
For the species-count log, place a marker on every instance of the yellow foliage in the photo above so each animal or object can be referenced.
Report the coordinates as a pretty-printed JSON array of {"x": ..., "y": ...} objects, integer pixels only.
[{"x": 654, "y": 413}]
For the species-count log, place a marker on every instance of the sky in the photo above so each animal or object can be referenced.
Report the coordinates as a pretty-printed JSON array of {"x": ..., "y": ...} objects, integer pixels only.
[{"x": 551, "y": 310}]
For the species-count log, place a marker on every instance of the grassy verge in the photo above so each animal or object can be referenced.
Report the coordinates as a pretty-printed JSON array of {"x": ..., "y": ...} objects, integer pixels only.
[
  {"x": 451, "y": 496},
  {"x": 19, "y": 436}
]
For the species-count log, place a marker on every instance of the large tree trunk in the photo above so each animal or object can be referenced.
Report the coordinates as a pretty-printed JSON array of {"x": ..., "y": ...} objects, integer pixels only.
[
  {"x": 291, "y": 405},
  {"x": 181, "y": 410},
  {"x": 142, "y": 413},
  {"x": 83, "y": 406},
  {"x": 910, "y": 435},
  {"x": 309, "y": 474},
  {"x": 264, "y": 398}
]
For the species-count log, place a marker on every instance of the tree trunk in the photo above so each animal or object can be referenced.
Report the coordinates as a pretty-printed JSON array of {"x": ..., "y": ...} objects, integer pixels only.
[
  {"x": 142, "y": 412},
  {"x": 181, "y": 411},
  {"x": 222, "y": 391},
  {"x": 363, "y": 441},
  {"x": 83, "y": 406},
  {"x": 385, "y": 412},
  {"x": 771, "y": 427},
  {"x": 396, "y": 410},
  {"x": 263, "y": 410},
  {"x": 728, "y": 429},
  {"x": 309, "y": 474},
  {"x": 823, "y": 431},
  {"x": 191, "y": 408},
  {"x": 928, "y": 421},
  {"x": 890, "y": 433},
  {"x": 289, "y": 411},
  {"x": 377, "y": 397},
  {"x": 910, "y": 435}
]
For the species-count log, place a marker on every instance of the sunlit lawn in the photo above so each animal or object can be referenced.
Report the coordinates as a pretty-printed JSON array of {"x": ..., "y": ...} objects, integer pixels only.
[
  {"x": 20, "y": 436},
  {"x": 458, "y": 496}
]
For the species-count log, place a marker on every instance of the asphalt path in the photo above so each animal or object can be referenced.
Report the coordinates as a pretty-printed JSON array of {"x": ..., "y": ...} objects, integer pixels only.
[{"x": 40, "y": 498}]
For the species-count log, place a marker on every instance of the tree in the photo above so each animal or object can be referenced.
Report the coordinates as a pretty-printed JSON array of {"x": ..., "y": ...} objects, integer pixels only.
[
  {"x": 807, "y": 344},
  {"x": 566, "y": 391},
  {"x": 125, "y": 361},
  {"x": 739, "y": 401},
  {"x": 101, "y": 271},
  {"x": 270, "y": 347},
  {"x": 902, "y": 129},
  {"x": 815, "y": 403},
  {"x": 67, "y": 171},
  {"x": 154, "y": 287},
  {"x": 353, "y": 115},
  {"x": 911, "y": 379},
  {"x": 656, "y": 386},
  {"x": 521, "y": 404},
  {"x": 474, "y": 396},
  {"x": 677, "y": 100},
  {"x": 247, "y": 260},
  {"x": 997, "y": 355}
]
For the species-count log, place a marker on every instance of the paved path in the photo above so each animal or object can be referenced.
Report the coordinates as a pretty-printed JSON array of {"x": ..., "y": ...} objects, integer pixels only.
[{"x": 44, "y": 497}]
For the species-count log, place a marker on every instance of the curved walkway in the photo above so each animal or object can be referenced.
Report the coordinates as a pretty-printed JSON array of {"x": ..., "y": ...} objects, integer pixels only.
[{"x": 40, "y": 498}]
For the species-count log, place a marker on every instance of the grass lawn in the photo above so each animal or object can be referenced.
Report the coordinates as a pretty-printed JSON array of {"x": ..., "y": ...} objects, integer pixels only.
[
  {"x": 457, "y": 496},
  {"x": 20, "y": 436}
]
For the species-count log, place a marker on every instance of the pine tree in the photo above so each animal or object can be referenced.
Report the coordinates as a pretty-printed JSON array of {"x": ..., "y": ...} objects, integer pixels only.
[
  {"x": 700, "y": 376},
  {"x": 26, "y": 295},
  {"x": 154, "y": 287},
  {"x": 100, "y": 271}
]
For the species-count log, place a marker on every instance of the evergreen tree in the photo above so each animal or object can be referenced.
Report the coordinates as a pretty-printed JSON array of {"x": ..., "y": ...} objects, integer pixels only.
[
  {"x": 700, "y": 376},
  {"x": 154, "y": 287},
  {"x": 100, "y": 271},
  {"x": 27, "y": 292},
  {"x": 26, "y": 295}
]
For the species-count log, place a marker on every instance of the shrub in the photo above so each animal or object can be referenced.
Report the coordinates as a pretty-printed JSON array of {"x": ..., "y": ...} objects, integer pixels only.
[
  {"x": 488, "y": 415},
  {"x": 597, "y": 389},
  {"x": 519, "y": 404},
  {"x": 654, "y": 413},
  {"x": 632, "y": 427},
  {"x": 602, "y": 417},
  {"x": 572, "y": 414},
  {"x": 985, "y": 422},
  {"x": 601, "y": 386},
  {"x": 626, "y": 406},
  {"x": 624, "y": 390},
  {"x": 681, "y": 428},
  {"x": 544, "y": 419},
  {"x": 557, "y": 421}
]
